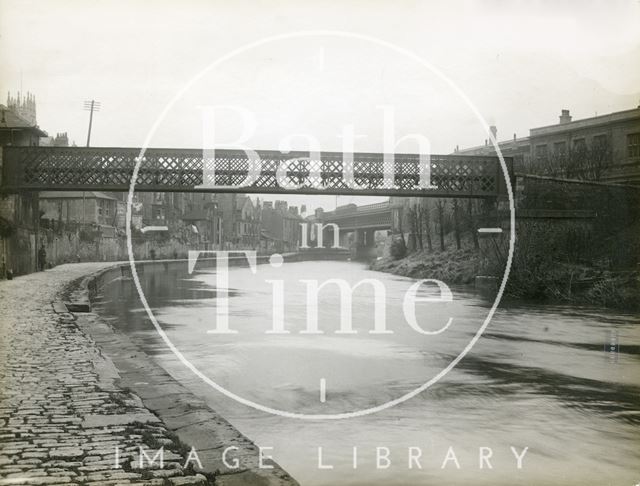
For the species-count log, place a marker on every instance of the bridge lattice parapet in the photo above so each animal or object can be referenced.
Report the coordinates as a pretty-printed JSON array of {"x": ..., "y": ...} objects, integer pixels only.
[{"x": 163, "y": 170}]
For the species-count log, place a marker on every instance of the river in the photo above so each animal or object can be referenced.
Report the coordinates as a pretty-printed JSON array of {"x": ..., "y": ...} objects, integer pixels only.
[{"x": 560, "y": 381}]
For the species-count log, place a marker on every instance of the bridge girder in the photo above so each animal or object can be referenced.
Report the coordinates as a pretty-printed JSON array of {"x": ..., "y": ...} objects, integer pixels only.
[{"x": 187, "y": 170}]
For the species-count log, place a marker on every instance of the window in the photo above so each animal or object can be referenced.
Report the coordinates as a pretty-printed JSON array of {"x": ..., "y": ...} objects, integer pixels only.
[
  {"x": 541, "y": 151},
  {"x": 104, "y": 209},
  {"x": 600, "y": 141},
  {"x": 579, "y": 145},
  {"x": 157, "y": 213},
  {"x": 560, "y": 148},
  {"x": 633, "y": 145}
]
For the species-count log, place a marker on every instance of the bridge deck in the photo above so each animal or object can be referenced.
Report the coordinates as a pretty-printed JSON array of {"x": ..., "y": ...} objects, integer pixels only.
[
  {"x": 163, "y": 170},
  {"x": 377, "y": 215}
]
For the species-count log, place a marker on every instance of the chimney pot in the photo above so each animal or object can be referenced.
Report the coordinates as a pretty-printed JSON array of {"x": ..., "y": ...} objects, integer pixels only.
[{"x": 565, "y": 117}]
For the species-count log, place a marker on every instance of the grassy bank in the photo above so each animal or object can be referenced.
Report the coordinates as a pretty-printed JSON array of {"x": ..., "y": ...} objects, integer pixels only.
[
  {"x": 450, "y": 266},
  {"x": 531, "y": 279},
  {"x": 552, "y": 281}
]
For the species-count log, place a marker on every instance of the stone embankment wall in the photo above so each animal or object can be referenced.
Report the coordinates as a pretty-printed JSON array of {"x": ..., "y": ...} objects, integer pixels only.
[
  {"x": 19, "y": 250},
  {"x": 71, "y": 247}
]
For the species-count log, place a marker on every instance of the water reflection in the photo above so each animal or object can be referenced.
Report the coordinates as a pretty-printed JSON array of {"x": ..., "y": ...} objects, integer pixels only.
[{"x": 540, "y": 377}]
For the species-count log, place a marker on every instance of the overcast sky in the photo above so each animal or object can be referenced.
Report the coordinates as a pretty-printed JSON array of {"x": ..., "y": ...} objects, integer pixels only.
[{"x": 519, "y": 62}]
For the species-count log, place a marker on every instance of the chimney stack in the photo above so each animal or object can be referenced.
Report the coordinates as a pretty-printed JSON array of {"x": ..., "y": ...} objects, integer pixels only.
[
  {"x": 565, "y": 117},
  {"x": 494, "y": 132}
]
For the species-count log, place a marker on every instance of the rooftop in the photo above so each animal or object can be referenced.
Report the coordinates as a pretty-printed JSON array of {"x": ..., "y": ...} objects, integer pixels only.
[
  {"x": 195, "y": 215},
  {"x": 565, "y": 124},
  {"x": 11, "y": 121},
  {"x": 588, "y": 122},
  {"x": 241, "y": 200},
  {"x": 75, "y": 195}
]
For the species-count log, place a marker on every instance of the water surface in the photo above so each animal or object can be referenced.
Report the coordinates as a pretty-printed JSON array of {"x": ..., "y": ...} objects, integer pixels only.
[{"x": 542, "y": 377}]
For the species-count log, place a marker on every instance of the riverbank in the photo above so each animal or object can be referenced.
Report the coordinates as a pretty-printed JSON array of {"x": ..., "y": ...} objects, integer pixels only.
[
  {"x": 557, "y": 283},
  {"x": 575, "y": 284},
  {"x": 451, "y": 266},
  {"x": 79, "y": 399}
]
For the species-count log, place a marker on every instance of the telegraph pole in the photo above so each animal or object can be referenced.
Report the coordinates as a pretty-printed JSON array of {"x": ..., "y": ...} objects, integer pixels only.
[{"x": 89, "y": 106}]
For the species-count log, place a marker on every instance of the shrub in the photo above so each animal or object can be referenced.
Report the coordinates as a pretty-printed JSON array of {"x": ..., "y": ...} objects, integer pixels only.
[
  {"x": 615, "y": 292},
  {"x": 7, "y": 228},
  {"x": 398, "y": 248}
]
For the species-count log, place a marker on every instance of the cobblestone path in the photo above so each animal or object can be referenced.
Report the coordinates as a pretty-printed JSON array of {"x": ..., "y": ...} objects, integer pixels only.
[{"x": 61, "y": 416}]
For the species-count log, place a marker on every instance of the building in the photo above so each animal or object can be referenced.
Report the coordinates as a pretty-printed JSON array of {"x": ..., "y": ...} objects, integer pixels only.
[
  {"x": 190, "y": 217},
  {"x": 18, "y": 131},
  {"x": 154, "y": 206},
  {"x": 205, "y": 221},
  {"x": 604, "y": 147},
  {"x": 23, "y": 106},
  {"x": 518, "y": 148},
  {"x": 60, "y": 140},
  {"x": 272, "y": 228},
  {"x": 247, "y": 223},
  {"x": 19, "y": 213},
  {"x": 280, "y": 225},
  {"x": 312, "y": 220},
  {"x": 291, "y": 219},
  {"x": 292, "y": 229},
  {"x": 240, "y": 221},
  {"x": 79, "y": 207},
  {"x": 20, "y": 210}
]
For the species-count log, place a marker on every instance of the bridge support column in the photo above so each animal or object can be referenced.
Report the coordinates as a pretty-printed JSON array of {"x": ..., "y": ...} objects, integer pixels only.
[
  {"x": 327, "y": 237},
  {"x": 355, "y": 243},
  {"x": 369, "y": 238},
  {"x": 364, "y": 247},
  {"x": 344, "y": 239}
]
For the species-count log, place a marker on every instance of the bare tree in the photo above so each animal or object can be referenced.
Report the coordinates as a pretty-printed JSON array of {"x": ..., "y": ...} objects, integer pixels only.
[
  {"x": 413, "y": 223},
  {"x": 426, "y": 223},
  {"x": 472, "y": 224},
  {"x": 440, "y": 206},
  {"x": 400, "y": 227},
  {"x": 419, "y": 225},
  {"x": 579, "y": 162},
  {"x": 456, "y": 223}
]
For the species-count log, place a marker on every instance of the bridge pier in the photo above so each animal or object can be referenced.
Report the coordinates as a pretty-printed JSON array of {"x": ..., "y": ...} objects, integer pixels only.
[
  {"x": 344, "y": 238},
  {"x": 364, "y": 244}
]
